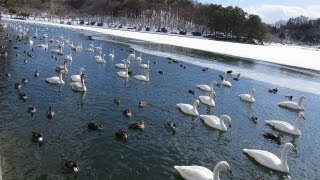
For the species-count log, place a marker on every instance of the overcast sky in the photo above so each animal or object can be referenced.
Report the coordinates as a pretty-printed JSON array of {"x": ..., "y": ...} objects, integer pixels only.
[{"x": 273, "y": 10}]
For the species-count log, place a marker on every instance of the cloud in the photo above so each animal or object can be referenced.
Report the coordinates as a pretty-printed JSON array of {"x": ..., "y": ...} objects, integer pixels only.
[{"x": 273, "y": 13}]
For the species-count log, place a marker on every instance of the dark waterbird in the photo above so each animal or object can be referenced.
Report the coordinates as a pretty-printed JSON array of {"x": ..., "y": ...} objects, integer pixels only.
[
  {"x": 116, "y": 100},
  {"x": 137, "y": 125},
  {"x": 127, "y": 113},
  {"x": 37, "y": 137},
  {"x": 94, "y": 126},
  {"x": 191, "y": 92},
  {"x": 237, "y": 78},
  {"x": 50, "y": 113},
  {"x": 289, "y": 98},
  {"x": 254, "y": 119},
  {"x": 274, "y": 90},
  {"x": 120, "y": 134},
  {"x": 273, "y": 136},
  {"x": 17, "y": 85},
  {"x": 171, "y": 126},
  {"x": 69, "y": 165},
  {"x": 31, "y": 110},
  {"x": 23, "y": 96}
]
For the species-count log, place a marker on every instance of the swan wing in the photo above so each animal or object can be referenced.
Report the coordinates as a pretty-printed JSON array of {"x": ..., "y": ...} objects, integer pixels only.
[
  {"x": 204, "y": 87},
  {"x": 281, "y": 125},
  {"x": 185, "y": 107},
  {"x": 211, "y": 120},
  {"x": 290, "y": 104},
  {"x": 265, "y": 158},
  {"x": 207, "y": 100},
  {"x": 53, "y": 80},
  {"x": 76, "y": 78},
  {"x": 140, "y": 77},
  {"x": 194, "y": 172}
]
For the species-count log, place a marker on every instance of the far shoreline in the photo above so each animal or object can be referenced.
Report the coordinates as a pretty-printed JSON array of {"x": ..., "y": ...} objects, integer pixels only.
[{"x": 289, "y": 56}]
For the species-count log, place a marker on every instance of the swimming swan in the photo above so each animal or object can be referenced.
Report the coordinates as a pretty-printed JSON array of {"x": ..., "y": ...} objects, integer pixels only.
[
  {"x": 79, "y": 86},
  {"x": 205, "y": 87},
  {"x": 248, "y": 97},
  {"x": 190, "y": 109},
  {"x": 55, "y": 79},
  {"x": 145, "y": 66},
  {"x": 293, "y": 105},
  {"x": 123, "y": 74},
  {"x": 77, "y": 78},
  {"x": 208, "y": 100},
  {"x": 286, "y": 127},
  {"x": 215, "y": 122},
  {"x": 202, "y": 173},
  {"x": 142, "y": 77},
  {"x": 270, "y": 160}
]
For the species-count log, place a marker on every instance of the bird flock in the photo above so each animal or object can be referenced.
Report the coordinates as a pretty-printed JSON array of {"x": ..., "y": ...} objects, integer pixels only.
[{"x": 77, "y": 84}]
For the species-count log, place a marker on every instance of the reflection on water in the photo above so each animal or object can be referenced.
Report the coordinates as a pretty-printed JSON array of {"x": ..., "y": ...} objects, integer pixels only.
[{"x": 154, "y": 151}]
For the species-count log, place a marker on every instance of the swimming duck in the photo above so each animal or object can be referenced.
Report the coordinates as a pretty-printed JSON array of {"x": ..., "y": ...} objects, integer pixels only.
[
  {"x": 70, "y": 165},
  {"x": 191, "y": 91},
  {"x": 121, "y": 135},
  {"x": 237, "y": 77},
  {"x": 17, "y": 85},
  {"x": 161, "y": 72},
  {"x": 170, "y": 125},
  {"x": 94, "y": 126},
  {"x": 273, "y": 136},
  {"x": 7, "y": 74},
  {"x": 254, "y": 119},
  {"x": 116, "y": 100},
  {"x": 37, "y": 137},
  {"x": 289, "y": 98},
  {"x": 36, "y": 74},
  {"x": 142, "y": 103},
  {"x": 274, "y": 90},
  {"x": 127, "y": 113},
  {"x": 24, "y": 80},
  {"x": 23, "y": 96},
  {"x": 31, "y": 110},
  {"x": 138, "y": 125},
  {"x": 50, "y": 113}
]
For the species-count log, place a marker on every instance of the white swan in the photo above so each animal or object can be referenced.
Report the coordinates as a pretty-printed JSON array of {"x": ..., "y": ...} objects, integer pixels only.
[
  {"x": 226, "y": 83},
  {"x": 68, "y": 57},
  {"x": 205, "y": 87},
  {"x": 293, "y": 105},
  {"x": 77, "y": 78},
  {"x": 111, "y": 55},
  {"x": 145, "y": 66},
  {"x": 123, "y": 65},
  {"x": 139, "y": 58},
  {"x": 208, "y": 100},
  {"x": 142, "y": 77},
  {"x": 79, "y": 86},
  {"x": 57, "y": 51},
  {"x": 190, "y": 109},
  {"x": 62, "y": 68},
  {"x": 286, "y": 127},
  {"x": 248, "y": 97},
  {"x": 202, "y": 173},
  {"x": 270, "y": 160},
  {"x": 215, "y": 122},
  {"x": 99, "y": 48},
  {"x": 55, "y": 79},
  {"x": 100, "y": 59},
  {"x": 123, "y": 74},
  {"x": 44, "y": 46},
  {"x": 132, "y": 55}
]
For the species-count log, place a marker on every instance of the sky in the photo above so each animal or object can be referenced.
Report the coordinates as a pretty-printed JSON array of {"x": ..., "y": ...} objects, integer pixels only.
[{"x": 272, "y": 11}]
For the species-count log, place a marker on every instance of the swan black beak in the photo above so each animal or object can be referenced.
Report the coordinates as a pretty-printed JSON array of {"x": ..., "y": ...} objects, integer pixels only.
[
  {"x": 229, "y": 125},
  {"x": 229, "y": 170}
]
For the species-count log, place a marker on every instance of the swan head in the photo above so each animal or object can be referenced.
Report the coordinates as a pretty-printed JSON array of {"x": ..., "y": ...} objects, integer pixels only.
[
  {"x": 253, "y": 90},
  {"x": 196, "y": 103},
  {"x": 213, "y": 94},
  {"x": 301, "y": 115},
  {"x": 289, "y": 147},
  {"x": 223, "y": 165},
  {"x": 227, "y": 118}
]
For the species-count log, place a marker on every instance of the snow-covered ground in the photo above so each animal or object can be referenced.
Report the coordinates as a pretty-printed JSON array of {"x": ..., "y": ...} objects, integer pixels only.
[{"x": 286, "y": 55}]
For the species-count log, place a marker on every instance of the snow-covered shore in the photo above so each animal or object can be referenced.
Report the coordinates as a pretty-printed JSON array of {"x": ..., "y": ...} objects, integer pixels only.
[{"x": 284, "y": 55}]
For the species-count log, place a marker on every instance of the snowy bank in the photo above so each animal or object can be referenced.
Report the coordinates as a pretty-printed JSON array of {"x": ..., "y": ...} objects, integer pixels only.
[{"x": 285, "y": 55}]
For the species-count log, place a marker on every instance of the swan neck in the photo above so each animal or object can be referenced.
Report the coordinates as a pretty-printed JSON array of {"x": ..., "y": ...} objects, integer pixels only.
[
  {"x": 195, "y": 105},
  {"x": 300, "y": 101},
  {"x": 284, "y": 154},
  {"x": 296, "y": 124},
  {"x": 216, "y": 172}
]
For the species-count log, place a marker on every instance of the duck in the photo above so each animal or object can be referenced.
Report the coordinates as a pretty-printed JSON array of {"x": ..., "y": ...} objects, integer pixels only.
[
  {"x": 189, "y": 109},
  {"x": 161, "y": 72},
  {"x": 286, "y": 127},
  {"x": 23, "y": 96},
  {"x": 94, "y": 126},
  {"x": 56, "y": 80},
  {"x": 116, "y": 100},
  {"x": 123, "y": 74},
  {"x": 50, "y": 113},
  {"x": 77, "y": 78},
  {"x": 70, "y": 165},
  {"x": 273, "y": 136},
  {"x": 254, "y": 119},
  {"x": 120, "y": 134},
  {"x": 79, "y": 86},
  {"x": 208, "y": 100},
  {"x": 31, "y": 110},
  {"x": 17, "y": 85},
  {"x": 36, "y": 74},
  {"x": 229, "y": 72},
  {"x": 191, "y": 91},
  {"x": 145, "y": 66},
  {"x": 138, "y": 125},
  {"x": 203, "y": 173},
  {"x": 274, "y": 90},
  {"x": 293, "y": 105},
  {"x": 248, "y": 97},
  {"x": 170, "y": 125},
  {"x": 270, "y": 160},
  {"x": 289, "y": 98},
  {"x": 237, "y": 78},
  {"x": 142, "y": 77},
  {"x": 37, "y": 137},
  {"x": 139, "y": 58},
  {"x": 7, "y": 74},
  {"x": 142, "y": 103},
  {"x": 215, "y": 122},
  {"x": 24, "y": 80},
  {"x": 127, "y": 113},
  {"x": 207, "y": 88}
]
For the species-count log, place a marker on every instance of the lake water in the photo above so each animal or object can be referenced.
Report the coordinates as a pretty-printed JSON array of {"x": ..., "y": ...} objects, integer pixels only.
[{"x": 152, "y": 153}]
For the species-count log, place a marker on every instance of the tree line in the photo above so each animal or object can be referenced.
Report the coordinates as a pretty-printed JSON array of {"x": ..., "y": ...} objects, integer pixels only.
[{"x": 210, "y": 20}]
